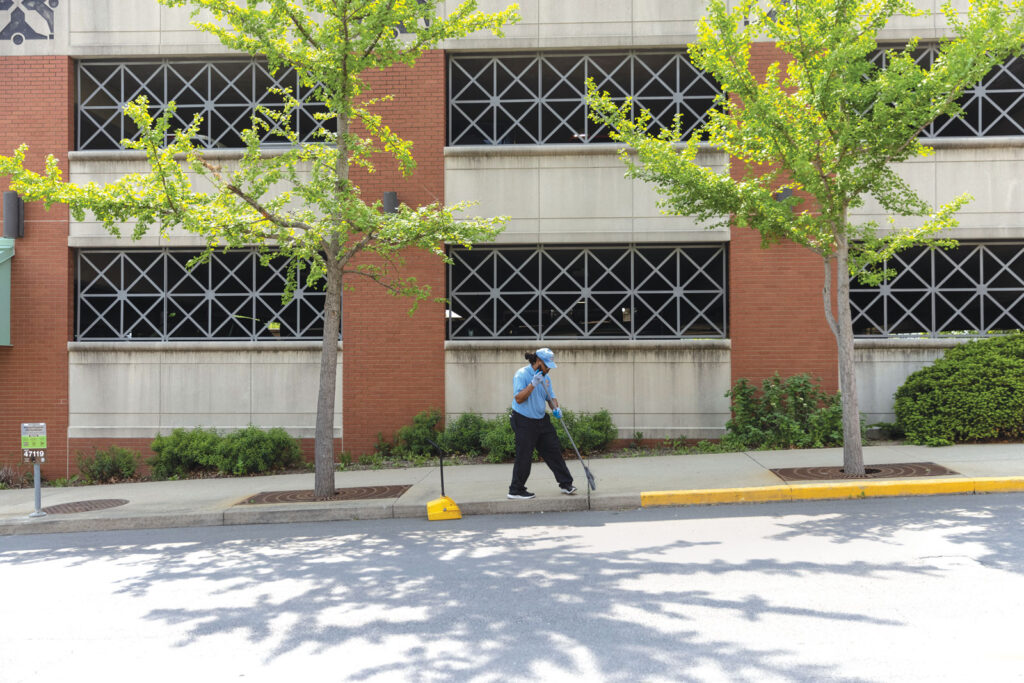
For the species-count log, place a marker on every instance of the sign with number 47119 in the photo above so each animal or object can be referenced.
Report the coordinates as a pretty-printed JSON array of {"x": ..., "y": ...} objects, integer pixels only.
[{"x": 33, "y": 441}]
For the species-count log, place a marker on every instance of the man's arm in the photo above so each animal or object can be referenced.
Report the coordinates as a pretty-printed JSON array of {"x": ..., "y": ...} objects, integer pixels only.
[{"x": 524, "y": 394}]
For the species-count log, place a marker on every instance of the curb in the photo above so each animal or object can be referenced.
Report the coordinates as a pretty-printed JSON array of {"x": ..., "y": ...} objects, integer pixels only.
[{"x": 832, "y": 491}]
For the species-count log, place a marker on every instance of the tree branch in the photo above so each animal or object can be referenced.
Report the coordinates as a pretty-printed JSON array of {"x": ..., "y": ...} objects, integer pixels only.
[
  {"x": 301, "y": 28},
  {"x": 374, "y": 278},
  {"x": 369, "y": 50},
  {"x": 259, "y": 208}
]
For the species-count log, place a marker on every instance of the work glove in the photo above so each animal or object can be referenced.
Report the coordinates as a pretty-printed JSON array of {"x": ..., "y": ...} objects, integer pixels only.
[
  {"x": 557, "y": 412},
  {"x": 537, "y": 380}
]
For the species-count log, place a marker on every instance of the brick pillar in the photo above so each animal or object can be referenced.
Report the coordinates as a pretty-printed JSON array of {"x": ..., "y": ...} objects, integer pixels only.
[
  {"x": 36, "y": 109},
  {"x": 393, "y": 364},
  {"x": 776, "y": 313}
]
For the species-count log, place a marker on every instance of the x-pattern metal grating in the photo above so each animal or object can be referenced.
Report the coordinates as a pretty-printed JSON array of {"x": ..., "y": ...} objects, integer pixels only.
[
  {"x": 541, "y": 98},
  {"x": 620, "y": 292},
  {"x": 225, "y": 92},
  {"x": 972, "y": 289},
  {"x": 149, "y": 295},
  {"x": 995, "y": 106}
]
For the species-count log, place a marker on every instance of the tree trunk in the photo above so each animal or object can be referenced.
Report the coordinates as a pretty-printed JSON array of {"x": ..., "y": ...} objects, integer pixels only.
[
  {"x": 323, "y": 486},
  {"x": 853, "y": 453}
]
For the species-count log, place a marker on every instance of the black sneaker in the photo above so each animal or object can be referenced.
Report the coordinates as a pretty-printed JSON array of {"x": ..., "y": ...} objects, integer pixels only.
[
  {"x": 522, "y": 495},
  {"x": 568, "y": 490}
]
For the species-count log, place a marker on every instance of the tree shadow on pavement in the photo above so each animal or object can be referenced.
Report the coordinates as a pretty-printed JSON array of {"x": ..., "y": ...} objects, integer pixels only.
[
  {"x": 494, "y": 598},
  {"x": 992, "y": 523}
]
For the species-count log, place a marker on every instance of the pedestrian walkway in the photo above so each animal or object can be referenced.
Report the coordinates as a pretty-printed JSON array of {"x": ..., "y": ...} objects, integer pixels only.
[{"x": 622, "y": 483}]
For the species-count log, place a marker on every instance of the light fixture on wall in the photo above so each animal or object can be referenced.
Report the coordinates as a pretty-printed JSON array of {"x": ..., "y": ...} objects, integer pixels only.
[
  {"x": 783, "y": 194},
  {"x": 390, "y": 202},
  {"x": 14, "y": 216}
]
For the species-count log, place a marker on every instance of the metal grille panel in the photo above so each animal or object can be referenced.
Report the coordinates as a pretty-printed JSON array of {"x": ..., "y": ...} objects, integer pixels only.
[
  {"x": 995, "y": 106},
  {"x": 541, "y": 98},
  {"x": 150, "y": 295},
  {"x": 614, "y": 292},
  {"x": 224, "y": 92},
  {"x": 972, "y": 289}
]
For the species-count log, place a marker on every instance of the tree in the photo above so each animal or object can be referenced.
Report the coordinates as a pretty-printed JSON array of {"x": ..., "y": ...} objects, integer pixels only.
[
  {"x": 320, "y": 219},
  {"x": 818, "y": 135}
]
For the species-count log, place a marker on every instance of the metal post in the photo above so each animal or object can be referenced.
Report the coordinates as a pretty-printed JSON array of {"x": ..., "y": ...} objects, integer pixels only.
[{"x": 39, "y": 492}]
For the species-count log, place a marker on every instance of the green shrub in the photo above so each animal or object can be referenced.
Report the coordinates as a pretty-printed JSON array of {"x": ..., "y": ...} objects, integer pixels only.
[
  {"x": 254, "y": 451},
  {"x": 115, "y": 464},
  {"x": 591, "y": 431},
  {"x": 10, "y": 478},
  {"x": 498, "y": 439},
  {"x": 374, "y": 461},
  {"x": 382, "y": 447},
  {"x": 183, "y": 452},
  {"x": 974, "y": 392},
  {"x": 247, "y": 451},
  {"x": 344, "y": 461},
  {"x": 787, "y": 413},
  {"x": 464, "y": 434},
  {"x": 414, "y": 441}
]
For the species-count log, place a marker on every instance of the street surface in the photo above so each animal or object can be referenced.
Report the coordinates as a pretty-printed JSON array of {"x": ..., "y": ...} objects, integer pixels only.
[{"x": 915, "y": 589}]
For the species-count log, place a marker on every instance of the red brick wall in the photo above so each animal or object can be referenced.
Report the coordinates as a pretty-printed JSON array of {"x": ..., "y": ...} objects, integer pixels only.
[
  {"x": 776, "y": 311},
  {"x": 394, "y": 363},
  {"x": 36, "y": 108}
]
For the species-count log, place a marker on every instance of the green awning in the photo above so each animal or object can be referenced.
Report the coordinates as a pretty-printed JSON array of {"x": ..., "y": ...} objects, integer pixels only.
[{"x": 6, "y": 254}]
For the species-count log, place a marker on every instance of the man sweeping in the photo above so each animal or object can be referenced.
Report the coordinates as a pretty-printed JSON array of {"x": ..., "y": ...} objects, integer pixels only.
[{"x": 531, "y": 388}]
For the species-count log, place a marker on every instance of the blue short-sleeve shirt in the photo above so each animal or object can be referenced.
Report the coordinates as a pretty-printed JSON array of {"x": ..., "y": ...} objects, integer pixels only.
[{"x": 534, "y": 405}]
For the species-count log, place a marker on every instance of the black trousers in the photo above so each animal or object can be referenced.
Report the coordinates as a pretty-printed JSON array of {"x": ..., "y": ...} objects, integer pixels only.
[{"x": 536, "y": 434}]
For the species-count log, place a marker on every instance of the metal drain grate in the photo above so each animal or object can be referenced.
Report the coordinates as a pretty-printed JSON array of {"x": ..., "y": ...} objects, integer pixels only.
[
  {"x": 903, "y": 469},
  {"x": 84, "y": 506},
  {"x": 307, "y": 496}
]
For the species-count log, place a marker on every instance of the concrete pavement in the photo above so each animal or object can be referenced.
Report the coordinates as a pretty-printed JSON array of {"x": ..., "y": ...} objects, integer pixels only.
[{"x": 622, "y": 483}]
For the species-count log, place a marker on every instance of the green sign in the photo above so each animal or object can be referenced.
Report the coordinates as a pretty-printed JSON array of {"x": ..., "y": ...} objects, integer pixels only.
[{"x": 33, "y": 435}]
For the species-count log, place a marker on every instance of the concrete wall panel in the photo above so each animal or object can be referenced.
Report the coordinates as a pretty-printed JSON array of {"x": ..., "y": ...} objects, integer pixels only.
[
  {"x": 990, "y": 169},
  {"x": 108, "y": 167},
  {"x": 884, "y": 364},
  {"x": 136, "y": 390},
  {"x": 565, "y": 194},
  {"x": 660, "y": 388},
  {"x": 139, "y": 28}
]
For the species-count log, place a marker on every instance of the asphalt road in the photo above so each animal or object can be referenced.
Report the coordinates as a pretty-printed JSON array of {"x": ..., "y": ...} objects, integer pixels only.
[{"x": 901, "y": 589}]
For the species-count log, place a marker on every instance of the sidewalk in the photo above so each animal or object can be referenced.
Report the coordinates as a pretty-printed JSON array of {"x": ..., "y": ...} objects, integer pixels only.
[{"x": 480, "y": 489}]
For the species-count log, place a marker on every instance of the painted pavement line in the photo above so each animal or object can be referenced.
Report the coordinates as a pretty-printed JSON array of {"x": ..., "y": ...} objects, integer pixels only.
[{"x": 832, "y": 491}]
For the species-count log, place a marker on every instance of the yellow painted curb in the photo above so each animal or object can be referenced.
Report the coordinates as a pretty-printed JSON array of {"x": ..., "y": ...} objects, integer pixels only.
[
  {"x": 999, "y": 484},
  {"x": 753, "y": 494},
  {"x": 832, "y": 491}
]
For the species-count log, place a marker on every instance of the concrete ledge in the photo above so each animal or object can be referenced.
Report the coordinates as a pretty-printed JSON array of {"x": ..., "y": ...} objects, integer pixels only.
[
  {"x": 60, "y": 524},
  {"x": 589, "y": 344},
  {"x": 286, "y": 513},
  {"x": 832, "y": 491},
  {"x": 191, "y": 346},
  {"x": 615, "y": 501}
]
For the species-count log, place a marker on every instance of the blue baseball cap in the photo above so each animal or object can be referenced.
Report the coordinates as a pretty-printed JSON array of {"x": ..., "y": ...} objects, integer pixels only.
[{"x": 548, "y": 356}]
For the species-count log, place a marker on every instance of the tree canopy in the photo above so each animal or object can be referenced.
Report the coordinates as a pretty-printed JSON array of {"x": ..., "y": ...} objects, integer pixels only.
[
  {"x": 827, "y": 123},
  {"x": 298, "y": 202}
]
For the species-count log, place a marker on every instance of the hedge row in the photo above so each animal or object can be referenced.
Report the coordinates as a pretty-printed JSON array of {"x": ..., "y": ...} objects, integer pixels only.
[{"x": 974, "y": 392}]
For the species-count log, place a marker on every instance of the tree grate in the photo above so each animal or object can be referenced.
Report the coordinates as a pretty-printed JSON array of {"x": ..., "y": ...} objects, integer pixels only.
[
  {"x": 307, "y": 496},
  {"x": 84, "y": 506},
  {"x": 895, "y": 471}
]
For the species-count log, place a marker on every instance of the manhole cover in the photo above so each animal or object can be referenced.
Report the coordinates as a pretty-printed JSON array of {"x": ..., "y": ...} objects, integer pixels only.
[
  {"x": 903, "y": 469},
  {"x": 307, "y": 496},
  {"x": 84, "y": 506}
]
